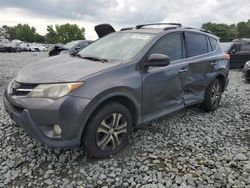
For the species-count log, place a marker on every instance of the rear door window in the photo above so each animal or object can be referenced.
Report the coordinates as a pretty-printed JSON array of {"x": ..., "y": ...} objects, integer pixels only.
[
  {"x": 170, "y": 45},
  {"x": 196, "y": 44}
]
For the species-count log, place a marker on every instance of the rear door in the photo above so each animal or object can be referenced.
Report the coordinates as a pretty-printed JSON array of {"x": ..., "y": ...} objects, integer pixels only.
[
  {"x": 162, "y": 86},
  {"x": 199, "y": 64}
]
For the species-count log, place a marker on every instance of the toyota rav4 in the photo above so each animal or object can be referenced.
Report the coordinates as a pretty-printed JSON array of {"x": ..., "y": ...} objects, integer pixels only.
[{"x": 121, "y": 81}]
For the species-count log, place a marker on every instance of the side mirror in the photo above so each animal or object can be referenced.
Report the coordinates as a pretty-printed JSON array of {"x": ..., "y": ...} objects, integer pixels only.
[{"x": 157, "y": 60}]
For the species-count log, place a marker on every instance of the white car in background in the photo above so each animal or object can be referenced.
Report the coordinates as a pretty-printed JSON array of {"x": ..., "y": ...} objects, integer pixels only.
[
  {"x": 23, "y": 45},
  {"x": 34, "y": 47}
]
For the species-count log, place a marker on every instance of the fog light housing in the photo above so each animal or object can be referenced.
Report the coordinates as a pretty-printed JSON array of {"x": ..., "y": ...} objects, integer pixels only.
[{"x": 57, "y": 129}]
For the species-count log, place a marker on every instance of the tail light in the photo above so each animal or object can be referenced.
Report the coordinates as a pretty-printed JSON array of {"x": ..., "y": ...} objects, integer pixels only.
[{"x": 227, "y": 57}]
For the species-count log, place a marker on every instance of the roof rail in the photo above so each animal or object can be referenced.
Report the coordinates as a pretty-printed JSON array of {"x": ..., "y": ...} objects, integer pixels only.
[
  {"x": 142, "y": 25},
  {"x": 126, "y": 28},
  {"x": 206, "y": 31},
  {"x": 168, "y": 28}
]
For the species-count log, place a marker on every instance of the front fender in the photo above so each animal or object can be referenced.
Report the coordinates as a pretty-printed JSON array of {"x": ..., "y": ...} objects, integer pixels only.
[{"x": 105, "y": 96}]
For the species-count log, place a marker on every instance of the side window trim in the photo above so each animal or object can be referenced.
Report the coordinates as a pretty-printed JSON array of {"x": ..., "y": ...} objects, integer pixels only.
[
  {"x": 209, "y": 45},
  {"x": 210, "y": 38}
]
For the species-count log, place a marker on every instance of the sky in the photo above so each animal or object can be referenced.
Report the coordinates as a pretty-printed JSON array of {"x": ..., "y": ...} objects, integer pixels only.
[{"x": 120, "y": 13}]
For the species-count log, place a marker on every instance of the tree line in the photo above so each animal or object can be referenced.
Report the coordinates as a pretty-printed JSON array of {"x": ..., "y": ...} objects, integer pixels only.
[
  {"x": 68, "y": 32},
  {"x": 229, "y": 32},
  {"x": 55, "y": 34}
]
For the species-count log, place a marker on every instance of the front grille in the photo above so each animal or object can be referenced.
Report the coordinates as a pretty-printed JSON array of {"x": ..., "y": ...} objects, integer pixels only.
[{"x": 21, "y": 89}]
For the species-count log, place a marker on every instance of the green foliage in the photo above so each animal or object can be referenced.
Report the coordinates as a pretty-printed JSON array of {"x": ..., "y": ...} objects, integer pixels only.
[
  {"x": 40, "y": 38},
  {"x": 224, "y": 31},
  {"x": 8, "y": 32},
  {"x": 51, "y": 36},
  {"x": 22, "y": 32},
  {"x": 25, "y": 32},
  {"x": 229, "y": 32},
  {"x": 244, "y": 29},
  {"x": 64, "y": 33},
  {"x": 61, "y": 34}
]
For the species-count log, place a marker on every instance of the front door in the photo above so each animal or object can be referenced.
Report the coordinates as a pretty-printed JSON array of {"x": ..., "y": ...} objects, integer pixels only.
[{"x": 162, "y": 86}]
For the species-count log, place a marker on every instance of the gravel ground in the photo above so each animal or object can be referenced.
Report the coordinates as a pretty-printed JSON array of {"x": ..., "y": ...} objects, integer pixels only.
[{"x": 189, "y": 148}]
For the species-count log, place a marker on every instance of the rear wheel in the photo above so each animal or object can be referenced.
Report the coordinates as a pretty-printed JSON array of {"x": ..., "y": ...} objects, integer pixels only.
[
  {"x": 108, "y": 130},
  {"x": 212, "y": 96}
]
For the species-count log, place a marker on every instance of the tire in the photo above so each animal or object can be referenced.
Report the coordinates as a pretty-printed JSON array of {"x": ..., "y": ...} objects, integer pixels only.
[
  {"x": 212, "y": 96},
  {"x": 104, "y": 136}
]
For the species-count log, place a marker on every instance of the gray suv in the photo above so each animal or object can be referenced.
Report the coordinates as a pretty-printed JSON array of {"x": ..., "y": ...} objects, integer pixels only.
[{"x": 119, "y": 82}]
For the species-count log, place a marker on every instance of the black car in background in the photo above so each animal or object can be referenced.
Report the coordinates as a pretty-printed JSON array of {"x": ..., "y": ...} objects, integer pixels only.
[
  {"x": 71, "y": 47},
  {"x": 239, "y": 51}
]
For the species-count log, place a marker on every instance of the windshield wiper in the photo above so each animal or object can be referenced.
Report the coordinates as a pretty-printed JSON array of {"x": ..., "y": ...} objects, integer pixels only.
[{"x": 92, "y": 58}]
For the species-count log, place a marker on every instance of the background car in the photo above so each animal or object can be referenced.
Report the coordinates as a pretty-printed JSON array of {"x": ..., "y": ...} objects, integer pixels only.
[
  {"x": 7, "y": 46},
  {"x": 71, "y": 47},
  {"x": 34, "y": 47},
  {"x": 23, "y": 45},
  {"x": 239, "y": 51}
]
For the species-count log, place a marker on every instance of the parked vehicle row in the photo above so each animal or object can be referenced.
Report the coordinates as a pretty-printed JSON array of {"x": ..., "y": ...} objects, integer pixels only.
[
  {"x": 118, "y": 82},
  {"x": 19, "y": 46}
]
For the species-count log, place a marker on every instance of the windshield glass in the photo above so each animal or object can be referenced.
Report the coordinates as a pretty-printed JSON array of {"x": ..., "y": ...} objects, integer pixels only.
[
  {"x": 117, "y": 46},
  {"x": 226, "y": 45},
  {"x": 70, "y": 44}
]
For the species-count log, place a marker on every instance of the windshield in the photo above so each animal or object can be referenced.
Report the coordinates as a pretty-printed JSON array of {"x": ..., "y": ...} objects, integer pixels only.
[
  {"x": 70, "y": 44},
  {"x": 226, "y": 45},
  {"x": 117, "y": 46}
]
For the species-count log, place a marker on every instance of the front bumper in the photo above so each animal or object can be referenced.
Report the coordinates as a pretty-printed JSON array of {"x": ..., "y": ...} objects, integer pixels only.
[
  {"x": 246, "y": 74},
  {"x": 39, "y": 116}
]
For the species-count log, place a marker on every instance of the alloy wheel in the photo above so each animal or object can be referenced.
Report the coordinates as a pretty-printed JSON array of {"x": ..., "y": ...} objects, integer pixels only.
[
  {"x": 111, "y": 132},
  {"x": 216, "y": 94}
]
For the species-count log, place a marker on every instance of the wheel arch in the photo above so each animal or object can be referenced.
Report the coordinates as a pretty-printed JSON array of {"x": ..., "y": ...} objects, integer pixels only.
[
  {"x": 222, "y": 80},
  {"x": 123, "y": 97},
  {"x": 221, "y": 77}
]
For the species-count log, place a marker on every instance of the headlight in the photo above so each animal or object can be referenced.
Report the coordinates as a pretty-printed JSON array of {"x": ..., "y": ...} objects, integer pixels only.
[{"x": 54, "y": 91}]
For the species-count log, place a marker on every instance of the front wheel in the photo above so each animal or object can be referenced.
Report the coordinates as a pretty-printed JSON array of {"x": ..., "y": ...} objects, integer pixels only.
[
  {"x": 212, "y": 96},
  {"x": 108, "y": 130}
]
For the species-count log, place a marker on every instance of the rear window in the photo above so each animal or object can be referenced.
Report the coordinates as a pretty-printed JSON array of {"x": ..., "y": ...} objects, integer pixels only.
[
  {"x": 213, "y": 43},
  {"x": 196, "y": 44}
]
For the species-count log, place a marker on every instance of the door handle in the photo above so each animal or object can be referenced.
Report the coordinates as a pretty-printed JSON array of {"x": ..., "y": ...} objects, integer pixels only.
[{"x": 183, "y": 70}]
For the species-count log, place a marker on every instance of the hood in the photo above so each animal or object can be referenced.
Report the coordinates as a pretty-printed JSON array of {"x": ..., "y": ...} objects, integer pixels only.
[
  {"x": 62, "y": 68},
  {"x": 103, "y": 30}
]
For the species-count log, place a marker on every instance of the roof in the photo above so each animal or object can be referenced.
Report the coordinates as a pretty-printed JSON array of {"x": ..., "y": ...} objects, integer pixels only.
[
  {"x": 155, "y": 28},
  {"x": 146, "y": 30}
]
